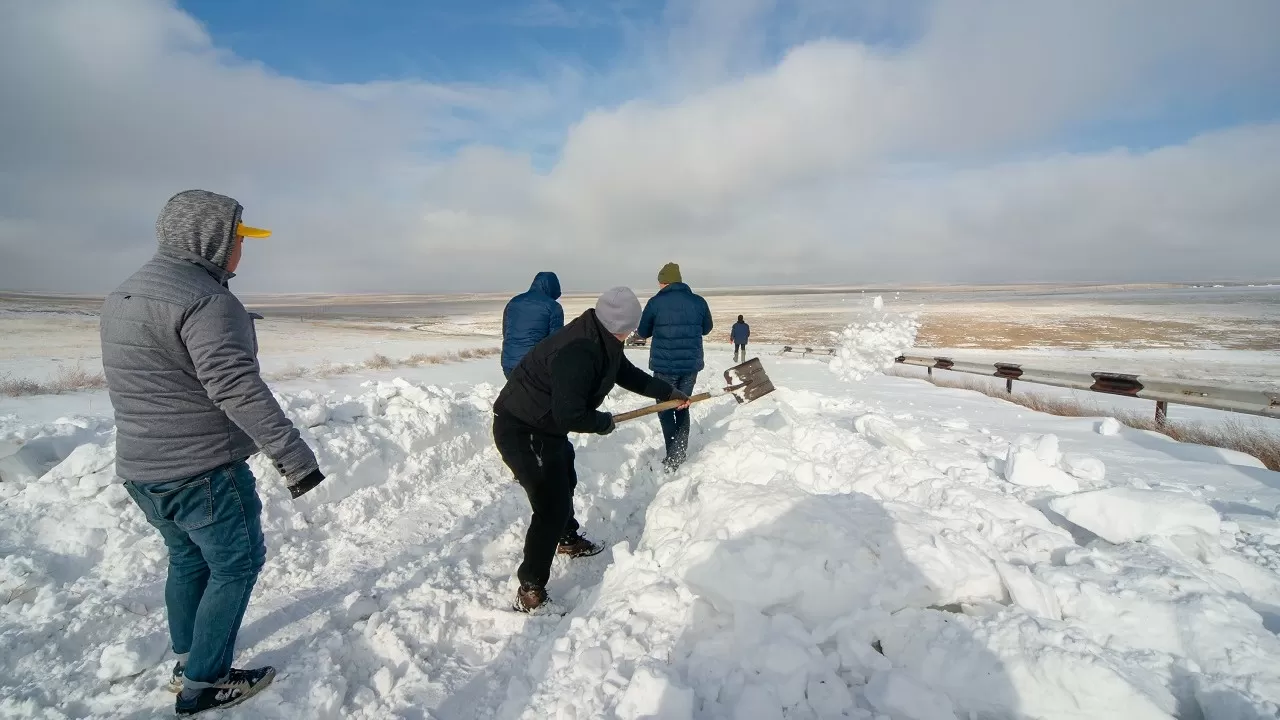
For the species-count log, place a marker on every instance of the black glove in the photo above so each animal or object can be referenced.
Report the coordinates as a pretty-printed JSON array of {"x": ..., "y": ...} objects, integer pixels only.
[
  {"x": 609, "y": 427},
  {"x": 299, "y": 488},
  {"x": 677, "y": 395}
]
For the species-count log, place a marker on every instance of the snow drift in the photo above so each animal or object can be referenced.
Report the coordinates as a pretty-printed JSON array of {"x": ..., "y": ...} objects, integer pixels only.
[{"x": 898, "y": 551}]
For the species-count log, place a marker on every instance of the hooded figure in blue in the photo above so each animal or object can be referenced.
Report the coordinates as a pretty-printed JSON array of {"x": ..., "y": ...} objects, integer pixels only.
[{"x": 529, "y": 318}]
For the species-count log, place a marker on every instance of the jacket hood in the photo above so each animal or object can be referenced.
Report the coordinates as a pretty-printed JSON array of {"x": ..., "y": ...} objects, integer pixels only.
[
  {"x": 201, "y": 223},
  {"x": 222, "y": 275},
  {"x": 546, "y": 283},
  {"x": 676, "y": 287}
]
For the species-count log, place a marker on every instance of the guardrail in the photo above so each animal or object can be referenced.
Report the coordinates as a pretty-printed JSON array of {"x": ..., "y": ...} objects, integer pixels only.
[
  {"x": 1229, "y": 398},
  {"x": 806, "y": 351}
]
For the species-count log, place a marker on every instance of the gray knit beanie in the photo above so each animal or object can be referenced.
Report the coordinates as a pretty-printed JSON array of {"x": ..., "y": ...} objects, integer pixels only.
[
  {"x": 618, "y": 310},
  {"x": 200, "y": 222}
]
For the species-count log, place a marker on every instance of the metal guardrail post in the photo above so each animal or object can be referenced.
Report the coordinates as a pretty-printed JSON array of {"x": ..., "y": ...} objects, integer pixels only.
[
  {"x": 1009, "y": 372},
  {"x": 1162, "y": 411}
]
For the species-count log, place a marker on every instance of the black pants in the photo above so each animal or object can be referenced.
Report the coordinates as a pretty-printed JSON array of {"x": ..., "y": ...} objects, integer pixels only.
[
  {"x": 543, "y": 465},
  {"x": 739, "y": 348}
]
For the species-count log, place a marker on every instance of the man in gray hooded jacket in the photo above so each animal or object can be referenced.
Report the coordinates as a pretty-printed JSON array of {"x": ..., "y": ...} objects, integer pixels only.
[{"x": 180, "y": 356}]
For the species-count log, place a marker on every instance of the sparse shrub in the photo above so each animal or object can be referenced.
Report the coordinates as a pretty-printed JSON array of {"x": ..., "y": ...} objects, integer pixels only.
[
  {"x": 67, "y": 379},
  {"x": 17, "y": 387},
  {"x": 76, "y": 379}
]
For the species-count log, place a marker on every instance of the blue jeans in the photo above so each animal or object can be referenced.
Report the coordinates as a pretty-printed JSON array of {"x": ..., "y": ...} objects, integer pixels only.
[
  {"x": 675, "y": 423},
  {"x": 212, "y": 526}
]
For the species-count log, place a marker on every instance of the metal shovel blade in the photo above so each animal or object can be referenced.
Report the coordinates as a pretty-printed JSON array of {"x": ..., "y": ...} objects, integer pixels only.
[{"x": 748, "y": 381}]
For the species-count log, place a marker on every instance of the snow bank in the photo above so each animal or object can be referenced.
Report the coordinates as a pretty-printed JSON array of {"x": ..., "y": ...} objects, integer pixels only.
[
  {"x": 871, "y": 346},
  {"x": 800, "y": 567},
  {"x": 824, "y": 554},
  {"x": 76, "y": 549},
  {"x": 1121, "y": 515},
  {"x": 771, "y": 589}
]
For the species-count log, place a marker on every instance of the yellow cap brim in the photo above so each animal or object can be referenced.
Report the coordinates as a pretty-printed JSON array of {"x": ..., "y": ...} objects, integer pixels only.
[{"x": 251, "y": 232}]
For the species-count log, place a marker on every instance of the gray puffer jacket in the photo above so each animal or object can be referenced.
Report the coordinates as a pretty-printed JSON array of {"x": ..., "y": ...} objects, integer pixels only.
[{"x": 180, "y": 355}]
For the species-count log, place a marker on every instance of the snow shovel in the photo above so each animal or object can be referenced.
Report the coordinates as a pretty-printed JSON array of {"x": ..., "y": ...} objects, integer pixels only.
[{"x": 746, "y": 382}]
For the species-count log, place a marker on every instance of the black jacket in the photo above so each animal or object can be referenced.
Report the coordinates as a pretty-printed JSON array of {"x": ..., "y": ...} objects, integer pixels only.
[{"x": 558, "y": 386}]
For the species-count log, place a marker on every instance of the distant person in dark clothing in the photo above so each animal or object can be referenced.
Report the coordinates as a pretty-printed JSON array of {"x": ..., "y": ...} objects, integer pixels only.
[
  {"x": 556, "y": 390},
  {"x": 529, "y": 318},
  {"x": 739, "y": 335},
  {"x": 676, "y": 319}
]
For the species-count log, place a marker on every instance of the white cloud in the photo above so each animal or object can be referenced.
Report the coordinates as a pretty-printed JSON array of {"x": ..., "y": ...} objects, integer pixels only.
[{"x": 940, "y": 159}]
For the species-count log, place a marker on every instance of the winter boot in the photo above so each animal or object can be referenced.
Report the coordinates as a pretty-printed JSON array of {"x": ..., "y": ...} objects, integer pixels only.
[
  {"x": 576, "y": 546},
  {"x": 175, "y": 680},
  {"x": 240, "y": 685},
  {"x": 529, "y": 597}
]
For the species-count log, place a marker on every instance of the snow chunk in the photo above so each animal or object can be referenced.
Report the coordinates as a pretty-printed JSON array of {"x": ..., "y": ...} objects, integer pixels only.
[
  {"x": 348, "y": 412},
  {"x": 993, "y": 668},
  {"x": 84, "y": 461},
  {"x": 1028, "y": 592},
  {"x": 1026, "y": 468},
  {"x": 651, "y": 695},
  {"x": 902, "y": 697},
  {"x": 1120, "y": 515},
  {"x": 887, "y": 433},
  {"x": 124, "y": 660},
  {"x": 1085, "y": 467},
  {"x": 1221, "y": 701},
  {"x": 1046, "y": 447},
  {"x": 359, "y": 607},
  {"x": 758, "y": 703},
  {"x": 1109, "y": 426},
  {"x": 21, "y": 467},
  {"x": 312, "y": 415}
]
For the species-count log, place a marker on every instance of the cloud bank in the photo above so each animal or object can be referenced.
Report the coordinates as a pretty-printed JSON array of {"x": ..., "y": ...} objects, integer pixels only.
[{"x": 987, "y": 142}]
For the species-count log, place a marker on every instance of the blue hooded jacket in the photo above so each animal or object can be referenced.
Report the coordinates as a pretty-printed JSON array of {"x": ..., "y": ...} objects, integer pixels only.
[
  {"x": 676, "y": 319},
  {"x": 529, "y": 318}
]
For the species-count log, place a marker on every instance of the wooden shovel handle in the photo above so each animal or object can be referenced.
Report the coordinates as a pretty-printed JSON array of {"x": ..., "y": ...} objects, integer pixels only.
[{"x": 660, "y": 407}]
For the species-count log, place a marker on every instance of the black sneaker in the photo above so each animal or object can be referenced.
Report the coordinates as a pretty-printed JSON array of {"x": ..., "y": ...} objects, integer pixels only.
[
  {"x": 175, "y": 680},
  {"x": 576, "y": 546},
  {"x": 529, "y": 597},
  {"x": 239, "y": 686}
]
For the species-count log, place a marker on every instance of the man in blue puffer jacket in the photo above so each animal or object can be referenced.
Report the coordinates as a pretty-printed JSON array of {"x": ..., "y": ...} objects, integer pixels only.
[
  {"x": 677, "y": 320},
  {"x": 529, "y": 318}
]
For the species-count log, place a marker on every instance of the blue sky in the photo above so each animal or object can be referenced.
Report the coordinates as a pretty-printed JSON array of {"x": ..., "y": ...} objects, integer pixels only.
[
  {"x": 338, "y": 41},
  {"x": 437, "y": 146},
  {"x": 460, "y": 41}
]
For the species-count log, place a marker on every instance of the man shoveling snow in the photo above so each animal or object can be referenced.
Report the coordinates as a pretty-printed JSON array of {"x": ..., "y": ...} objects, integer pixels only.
[
  {"x": 180, "y": 356},
  {"x": 555, "y": 390}
]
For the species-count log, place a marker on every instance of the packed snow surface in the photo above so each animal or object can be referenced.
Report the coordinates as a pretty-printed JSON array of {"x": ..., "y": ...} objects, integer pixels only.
[{"x": 880, "y": 550}]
